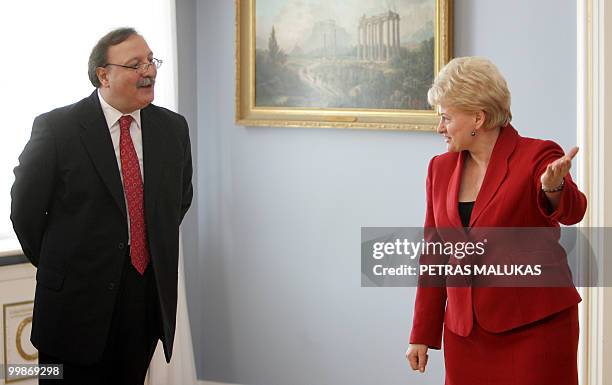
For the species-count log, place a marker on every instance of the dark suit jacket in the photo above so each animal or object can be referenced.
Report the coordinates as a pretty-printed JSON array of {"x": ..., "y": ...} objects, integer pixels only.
[
  {"x": 510, "y": 196},
  {"x": 68, "y": 211}
]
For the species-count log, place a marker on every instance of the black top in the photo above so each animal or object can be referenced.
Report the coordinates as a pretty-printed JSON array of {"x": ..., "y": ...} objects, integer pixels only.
[{"x": 465, "y": 212}]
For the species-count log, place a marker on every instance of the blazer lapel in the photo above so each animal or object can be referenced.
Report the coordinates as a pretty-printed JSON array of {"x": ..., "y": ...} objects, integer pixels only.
[
  {"x": 496, "y": 170},
  {"x": 96, "y": 138},
  {"x": 452, "y": 198},
  {"x": 153, "y": 153}
]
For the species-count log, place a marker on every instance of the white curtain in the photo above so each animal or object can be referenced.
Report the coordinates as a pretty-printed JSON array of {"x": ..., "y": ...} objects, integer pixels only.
[{"x": 181, "y": 370}]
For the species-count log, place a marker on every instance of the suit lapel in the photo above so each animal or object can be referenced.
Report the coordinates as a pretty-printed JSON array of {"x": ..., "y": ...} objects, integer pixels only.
[
  {"x": 97, "y": 140},
  {"x": 455, "y": 232},
  {"x": 496, "y": 170},
  {"x": 153, "y": 150},
  {"x": 452, "y": 198}
]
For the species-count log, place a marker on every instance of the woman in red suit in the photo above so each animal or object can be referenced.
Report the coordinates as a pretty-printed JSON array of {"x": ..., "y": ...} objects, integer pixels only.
[{"x": 493, "y": 177}]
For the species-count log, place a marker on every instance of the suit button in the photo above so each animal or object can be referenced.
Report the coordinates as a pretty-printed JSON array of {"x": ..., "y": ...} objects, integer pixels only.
[
  {"x": 111, "y": 286},
  {"x": 121, "y": 245}
]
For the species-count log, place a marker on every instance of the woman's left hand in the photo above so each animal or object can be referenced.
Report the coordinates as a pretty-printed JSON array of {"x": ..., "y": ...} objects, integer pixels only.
[{"x": 557, "y": 170}]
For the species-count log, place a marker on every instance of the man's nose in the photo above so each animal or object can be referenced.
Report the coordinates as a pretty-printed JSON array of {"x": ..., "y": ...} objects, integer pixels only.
[{"x": 151, "y": 71}]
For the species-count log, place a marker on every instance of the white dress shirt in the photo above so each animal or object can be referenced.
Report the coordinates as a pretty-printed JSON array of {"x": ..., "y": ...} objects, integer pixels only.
[{"x": 112, "y": 115}]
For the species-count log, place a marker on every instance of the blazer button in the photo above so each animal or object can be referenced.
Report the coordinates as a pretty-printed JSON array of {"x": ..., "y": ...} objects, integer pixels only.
[
  {"x": 121, "y": 245},
  {"x": 111, "y": 286}
]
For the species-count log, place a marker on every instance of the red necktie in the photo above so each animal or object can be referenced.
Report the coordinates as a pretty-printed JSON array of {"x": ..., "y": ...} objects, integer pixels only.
[{"x": 133, "y": 188}]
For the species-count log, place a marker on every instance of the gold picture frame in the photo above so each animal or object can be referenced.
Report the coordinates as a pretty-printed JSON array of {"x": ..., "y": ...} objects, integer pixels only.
[{"x": 379, "y": 46}]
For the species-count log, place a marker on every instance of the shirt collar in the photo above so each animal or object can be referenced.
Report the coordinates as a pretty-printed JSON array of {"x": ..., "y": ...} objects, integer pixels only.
[{"x": 112, "y": 115}]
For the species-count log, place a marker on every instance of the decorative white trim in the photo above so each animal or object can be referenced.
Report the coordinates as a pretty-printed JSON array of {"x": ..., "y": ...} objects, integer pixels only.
[
  {"x": 594, "y": 112},
  {"x": 17, "y": 272},
  {"x": 606, "y": 181}
]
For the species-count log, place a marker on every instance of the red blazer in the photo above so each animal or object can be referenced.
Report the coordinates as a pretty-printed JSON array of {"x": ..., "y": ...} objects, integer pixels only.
[{"x": 510, "y": 196}]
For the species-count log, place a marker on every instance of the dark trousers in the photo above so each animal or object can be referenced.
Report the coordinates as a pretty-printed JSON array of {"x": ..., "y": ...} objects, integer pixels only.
[{"x": 132, "y": 338}]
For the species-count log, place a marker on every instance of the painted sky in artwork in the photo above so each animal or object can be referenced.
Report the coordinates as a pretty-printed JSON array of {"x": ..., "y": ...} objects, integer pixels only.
[{"x": 293, "y": 19}]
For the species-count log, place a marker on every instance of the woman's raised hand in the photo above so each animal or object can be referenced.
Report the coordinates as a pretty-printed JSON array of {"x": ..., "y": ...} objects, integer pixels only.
[{"x": 557, "y": 170}]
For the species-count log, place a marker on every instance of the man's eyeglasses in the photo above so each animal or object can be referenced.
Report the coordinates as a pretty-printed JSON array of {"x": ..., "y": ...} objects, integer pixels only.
[{"x": 143, "y": 67}]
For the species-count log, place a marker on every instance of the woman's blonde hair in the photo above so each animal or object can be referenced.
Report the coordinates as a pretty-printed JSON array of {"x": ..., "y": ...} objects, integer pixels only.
[{"x": 473, "y": 84}]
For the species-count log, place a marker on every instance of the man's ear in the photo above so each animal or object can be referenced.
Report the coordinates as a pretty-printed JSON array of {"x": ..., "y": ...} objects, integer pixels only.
[{"x": 102, "y": 75}]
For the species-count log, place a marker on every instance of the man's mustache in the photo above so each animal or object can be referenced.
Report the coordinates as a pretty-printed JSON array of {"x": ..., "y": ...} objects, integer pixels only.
[{"x": 145, "y": 82}]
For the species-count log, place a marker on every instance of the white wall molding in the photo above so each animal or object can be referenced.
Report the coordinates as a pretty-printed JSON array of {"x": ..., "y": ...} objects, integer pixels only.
[{"x": 595, "y": 179}]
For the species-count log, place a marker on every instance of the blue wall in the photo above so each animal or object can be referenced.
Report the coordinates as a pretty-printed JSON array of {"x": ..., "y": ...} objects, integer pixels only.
[{"x": 273, "y": 243}]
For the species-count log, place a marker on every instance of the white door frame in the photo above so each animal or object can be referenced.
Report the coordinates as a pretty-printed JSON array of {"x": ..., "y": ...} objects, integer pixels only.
[{"x": 594, "y": 113}]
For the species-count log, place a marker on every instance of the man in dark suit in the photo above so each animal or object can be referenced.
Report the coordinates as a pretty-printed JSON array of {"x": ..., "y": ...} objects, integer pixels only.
[{"x": 100, "y": 191}]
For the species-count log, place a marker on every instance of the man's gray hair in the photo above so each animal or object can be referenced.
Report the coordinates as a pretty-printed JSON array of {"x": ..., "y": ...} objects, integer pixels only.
[{"x": 99, "y": 53}]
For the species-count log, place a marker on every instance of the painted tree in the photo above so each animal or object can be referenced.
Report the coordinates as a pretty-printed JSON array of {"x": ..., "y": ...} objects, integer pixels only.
[{"x": 276, "y": 53}]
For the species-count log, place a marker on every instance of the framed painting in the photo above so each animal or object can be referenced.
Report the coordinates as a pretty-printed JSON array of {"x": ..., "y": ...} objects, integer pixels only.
[{"x": 340, "y": 63}]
